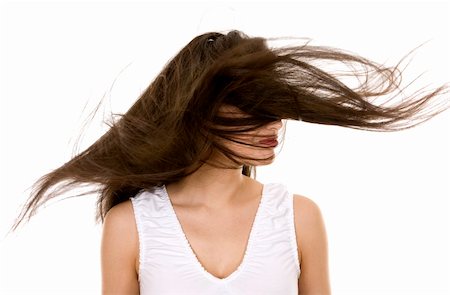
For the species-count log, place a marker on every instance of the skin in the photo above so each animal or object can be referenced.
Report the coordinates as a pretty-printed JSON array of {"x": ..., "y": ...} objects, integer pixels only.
[{"x": 227, "y": 192}]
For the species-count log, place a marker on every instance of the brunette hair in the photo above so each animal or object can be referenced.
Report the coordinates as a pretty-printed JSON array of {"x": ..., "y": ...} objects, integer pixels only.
[{"x": 173, "y": 127}]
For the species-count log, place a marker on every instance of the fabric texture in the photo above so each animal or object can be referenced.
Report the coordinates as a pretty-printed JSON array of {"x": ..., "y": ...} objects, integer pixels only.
[{"x": 168, "y": 265}]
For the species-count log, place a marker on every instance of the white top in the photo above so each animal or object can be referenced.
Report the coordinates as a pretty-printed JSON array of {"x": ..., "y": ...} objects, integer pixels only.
[{"x": 168, "y": 265}]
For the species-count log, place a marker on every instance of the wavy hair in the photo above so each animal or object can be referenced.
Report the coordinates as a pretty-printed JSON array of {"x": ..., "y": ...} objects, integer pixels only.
[{"x": 174, "y": 126}]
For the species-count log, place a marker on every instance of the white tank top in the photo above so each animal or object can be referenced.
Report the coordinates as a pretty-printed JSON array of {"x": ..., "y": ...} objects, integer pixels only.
[{"x": 168, "y": 265}]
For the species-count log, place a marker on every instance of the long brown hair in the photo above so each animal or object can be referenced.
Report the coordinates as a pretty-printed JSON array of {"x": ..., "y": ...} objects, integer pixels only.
[{"x": 173, "y": 127}]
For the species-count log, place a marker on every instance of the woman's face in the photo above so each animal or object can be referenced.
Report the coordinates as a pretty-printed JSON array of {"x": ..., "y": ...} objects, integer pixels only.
[{"x": 262, "y": 142}]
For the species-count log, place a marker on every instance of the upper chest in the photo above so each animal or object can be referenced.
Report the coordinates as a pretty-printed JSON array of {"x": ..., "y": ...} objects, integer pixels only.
[
  {"x": 218, "y": 238},
  {"x": 212, "y": 228}
]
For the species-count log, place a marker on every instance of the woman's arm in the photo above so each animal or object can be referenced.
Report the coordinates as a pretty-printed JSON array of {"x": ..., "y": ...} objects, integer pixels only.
[
  {"x": 119, "y": 251},
  {"x": 312, "y": 248}
]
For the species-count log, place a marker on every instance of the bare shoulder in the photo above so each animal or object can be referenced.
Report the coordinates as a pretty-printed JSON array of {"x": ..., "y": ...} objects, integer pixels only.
[
  {"x": 120, "y": 213},
  {"x": 312, "y": 246},
  {"x": 302, "y": 201},
  {"x": 119, "y": 251},
  {"x": 119, "y": 229},
  {"x": 308, "y": 220},
  {"x": 306, "y": 209}
]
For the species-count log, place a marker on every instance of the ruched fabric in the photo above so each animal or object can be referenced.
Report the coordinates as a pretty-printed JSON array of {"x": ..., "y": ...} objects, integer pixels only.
[{"x": 168, "y": 265}]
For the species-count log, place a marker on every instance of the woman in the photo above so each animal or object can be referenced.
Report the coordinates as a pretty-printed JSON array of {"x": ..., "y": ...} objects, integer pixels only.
[{"x": 181, "y": 211}]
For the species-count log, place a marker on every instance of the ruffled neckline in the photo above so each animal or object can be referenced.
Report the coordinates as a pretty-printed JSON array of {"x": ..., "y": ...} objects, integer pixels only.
[{"x": 250, "y": 243}]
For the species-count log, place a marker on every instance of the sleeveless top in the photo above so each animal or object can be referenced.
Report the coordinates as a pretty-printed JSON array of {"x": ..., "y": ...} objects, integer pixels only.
[{"x": 168, "y": 265}]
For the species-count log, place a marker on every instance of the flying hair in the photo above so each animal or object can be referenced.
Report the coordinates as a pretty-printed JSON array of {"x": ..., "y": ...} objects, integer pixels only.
[{"x": 174, "y": 126}]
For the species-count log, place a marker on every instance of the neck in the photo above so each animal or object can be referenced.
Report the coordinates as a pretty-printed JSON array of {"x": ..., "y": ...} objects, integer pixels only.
[{"x": 210, "y": 187}]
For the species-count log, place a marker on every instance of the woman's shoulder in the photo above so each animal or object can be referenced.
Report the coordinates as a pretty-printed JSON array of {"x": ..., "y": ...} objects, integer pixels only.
[
  {"x": 307, "y": 214},
  {"x": 120, "y": 248},
  {"x": 119, "y": 222},
  {"x": 120, "y": 215},
  {"x": 309, "y": 226},
  {"x": 302, "y": 202}
]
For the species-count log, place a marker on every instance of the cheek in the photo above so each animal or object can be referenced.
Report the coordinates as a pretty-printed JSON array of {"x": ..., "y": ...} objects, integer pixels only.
[
  {"x": 258, "y": 155},
  {"x": 248, "y": 147},
  {"x": 241, "y": 141}
]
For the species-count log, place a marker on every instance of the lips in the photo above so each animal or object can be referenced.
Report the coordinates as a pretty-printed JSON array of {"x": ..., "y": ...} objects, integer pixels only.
[{"x": 270, "y": 142}]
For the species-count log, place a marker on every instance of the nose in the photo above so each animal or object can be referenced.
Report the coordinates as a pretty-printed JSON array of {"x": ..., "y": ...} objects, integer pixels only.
[{"x": 275, "y": 125}]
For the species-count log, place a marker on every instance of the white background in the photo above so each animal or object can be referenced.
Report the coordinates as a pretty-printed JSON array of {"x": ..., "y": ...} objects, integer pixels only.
[{"x": 384, "y": 196}]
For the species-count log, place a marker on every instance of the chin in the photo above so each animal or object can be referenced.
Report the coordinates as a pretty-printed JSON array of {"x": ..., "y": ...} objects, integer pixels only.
[{"x": 262, "y": 162}]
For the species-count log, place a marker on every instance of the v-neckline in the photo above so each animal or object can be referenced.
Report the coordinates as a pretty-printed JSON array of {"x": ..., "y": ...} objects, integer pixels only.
[{"x": 191, "y": 252}]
